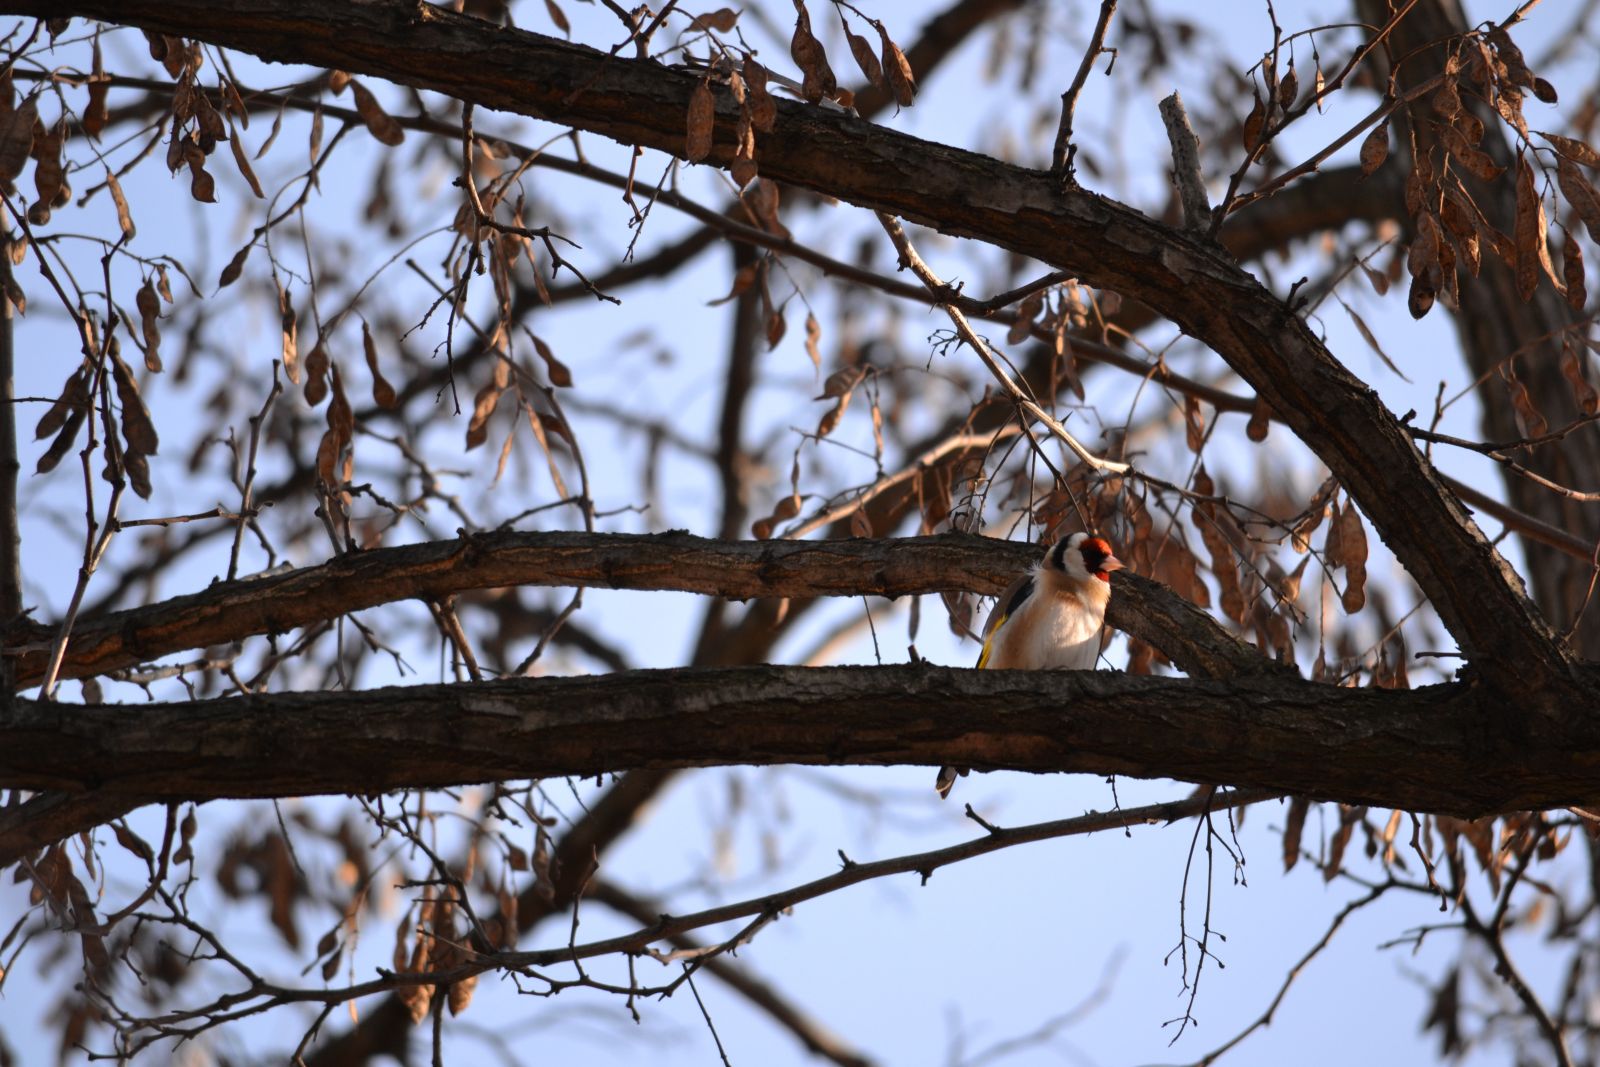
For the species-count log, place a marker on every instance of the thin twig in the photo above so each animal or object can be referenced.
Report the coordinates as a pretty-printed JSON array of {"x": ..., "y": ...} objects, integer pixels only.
[
  {"x": 941, "y": 294},
  {"x": 246, "y": 500},
  {"x": 1062, "y": 155},
  {"x": 1265, "y": 1019}
]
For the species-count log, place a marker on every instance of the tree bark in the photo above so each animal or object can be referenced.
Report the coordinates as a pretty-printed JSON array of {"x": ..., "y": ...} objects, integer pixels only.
[
  {"x": 1443, "y": 748},
  {"x": 432, "y": 570},
  {"x": 1107, "y": 244},
  {"x": 1494, "y": 322}
]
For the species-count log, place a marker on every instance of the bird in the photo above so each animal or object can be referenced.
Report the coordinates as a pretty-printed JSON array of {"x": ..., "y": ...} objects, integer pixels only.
[{"x": 1050, "y": 618}]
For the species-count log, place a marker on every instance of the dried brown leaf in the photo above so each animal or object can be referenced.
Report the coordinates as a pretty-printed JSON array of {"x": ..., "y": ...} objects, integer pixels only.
[
  {"x": 133, "y": 842},
  {"x": 866, "y": 59},
  {"x": 1316, "y": 511},
  {"x": 379, "y": 122},
  {"x": 49, "y": 178},
  {"x": 1260, "y": 421},
  {"x": 1348, "y": 818},
  {"x": 744, "y": 169},
  {"x": 1529, "y": 232},
  {"x": 1288, "y": 88},
  {"x": 536, "y": 424},
  {"x": 202, "y": 186},
  {"x": 830, "y": 418},
  {"x": 95, "y": 112},
  {"x": 763, "y": 109},
  {"x": 1027, "y": 311},
  {"x": 701, "y": 123},
  {"x": 560, "y": 376},
  {"x": 291, "y": 332},
  {"x": 558, "y": 17},
  {"x": 317, "y": 363},
  {"x": 1573, "y": 364},
  {"x": 1352, "y": 544},
  {"x": 340, "y": 434},
  {"x": 74, "y": 398},
  {"x": 382, "y": 392},
  {"x": 1470, "y": 127},
  {"x": 813, "y": 340},
  {"x": 1508, "y": 103},
  {"x": 1374, "y": 149},
  {"x": 1572, "y": 272},
  {"x": 1419, "y": 301},
  {"x": 1293, "y": 827},
  {"x": 1477, "y": 163},
  {"x": 483, "y": 406},
  {"x": 137, "y": 426},
  {"x": 460, "y": 993},
  {"x": 722, "y": 20},
  {"x": 1572, "y": 148},
  {"x": 1581, "y": 195},
  {"x": 1447, "y": 101},
  {"x": 808, "y": 54},
  {"x": 860, "y": 523},
  {"x": 124, "y": 215},
  {"x": 1423, "y": 253},
  {"x": 240, "y": 160},
  {"x": 1533, "y": 423},
  {"x": 235, "y": 267},
  {"x": 1194, "y": 423},
  {"x": 742, "y": 281},
  {"x": 841, "y": 382},
  {"x": 137, "y": 468},
  {"x": 763, "y": 198},
  {"x": 69, "y": 432}
]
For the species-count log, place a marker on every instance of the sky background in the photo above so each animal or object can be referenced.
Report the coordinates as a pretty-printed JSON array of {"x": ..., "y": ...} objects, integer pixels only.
[{"x": 989, "y": 951}]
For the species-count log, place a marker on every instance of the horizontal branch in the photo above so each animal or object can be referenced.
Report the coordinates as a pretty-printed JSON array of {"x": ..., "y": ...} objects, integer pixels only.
[
  {"x": 1107, "y": 244},
  {"x": 891, "y": 567},
  {"x": 1430, "y": 749},
  {"x": 771, "y": 905}
]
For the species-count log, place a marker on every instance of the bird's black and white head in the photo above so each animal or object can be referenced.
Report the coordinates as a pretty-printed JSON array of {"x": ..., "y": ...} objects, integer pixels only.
[{"x": 1081, "y": 557}]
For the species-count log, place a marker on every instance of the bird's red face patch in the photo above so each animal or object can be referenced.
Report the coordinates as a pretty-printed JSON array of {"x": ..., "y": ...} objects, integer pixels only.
[{"x": 1098, "y": 560}]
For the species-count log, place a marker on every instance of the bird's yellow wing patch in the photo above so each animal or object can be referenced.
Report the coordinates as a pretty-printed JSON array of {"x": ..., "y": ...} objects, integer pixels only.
[
  {"x": 1009, "y": 604},
  {"x": 990, "y": 640}
]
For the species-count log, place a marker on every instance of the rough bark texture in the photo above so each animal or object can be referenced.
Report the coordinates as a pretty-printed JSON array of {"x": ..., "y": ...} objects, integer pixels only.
[
  {"x": 1429, "y": 749},
  {"x": 1494, "y": 321},
  {"x": 230, "y": 611},
  {"x": 1107, "y": 244}
]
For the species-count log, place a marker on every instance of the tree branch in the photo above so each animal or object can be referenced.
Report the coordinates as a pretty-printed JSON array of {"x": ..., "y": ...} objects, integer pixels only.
[
  {"x": 1107, "y": 244},
  {"x": 1429, "y": 749},
  {"x": 891, "y": 567}
]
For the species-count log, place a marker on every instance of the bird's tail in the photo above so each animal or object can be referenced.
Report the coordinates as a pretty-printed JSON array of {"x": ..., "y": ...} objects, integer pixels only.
[{"x": 947, "y": 779}]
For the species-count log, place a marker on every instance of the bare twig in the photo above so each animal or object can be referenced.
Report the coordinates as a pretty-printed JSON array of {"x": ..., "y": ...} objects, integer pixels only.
[
  {"x": 941, "y": 294},
  {"x": 1265, "y": 1019},
  {"x": 246, "y": 500},
  {"x": 1062, "y": 155}
]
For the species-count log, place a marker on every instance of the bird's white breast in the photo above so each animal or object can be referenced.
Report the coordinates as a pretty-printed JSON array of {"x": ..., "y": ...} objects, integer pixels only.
[{"x": 1055, "y": 629}]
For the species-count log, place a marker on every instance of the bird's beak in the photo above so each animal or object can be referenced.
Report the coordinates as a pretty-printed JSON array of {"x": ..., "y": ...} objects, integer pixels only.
[{"x": 1111, "y": 563}]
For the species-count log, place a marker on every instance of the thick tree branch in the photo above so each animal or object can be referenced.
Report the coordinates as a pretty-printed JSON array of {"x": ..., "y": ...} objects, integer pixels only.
[
  {"x": 49, "y": 817},
  {"x": 1107, "y": 244},
  {"x": 1441, "y": 748},
  {"x": 432, "y": 570}
]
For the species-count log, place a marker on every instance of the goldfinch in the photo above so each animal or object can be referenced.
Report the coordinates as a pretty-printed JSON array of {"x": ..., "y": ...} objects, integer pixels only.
[{"x": 1050, "y": 618}]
